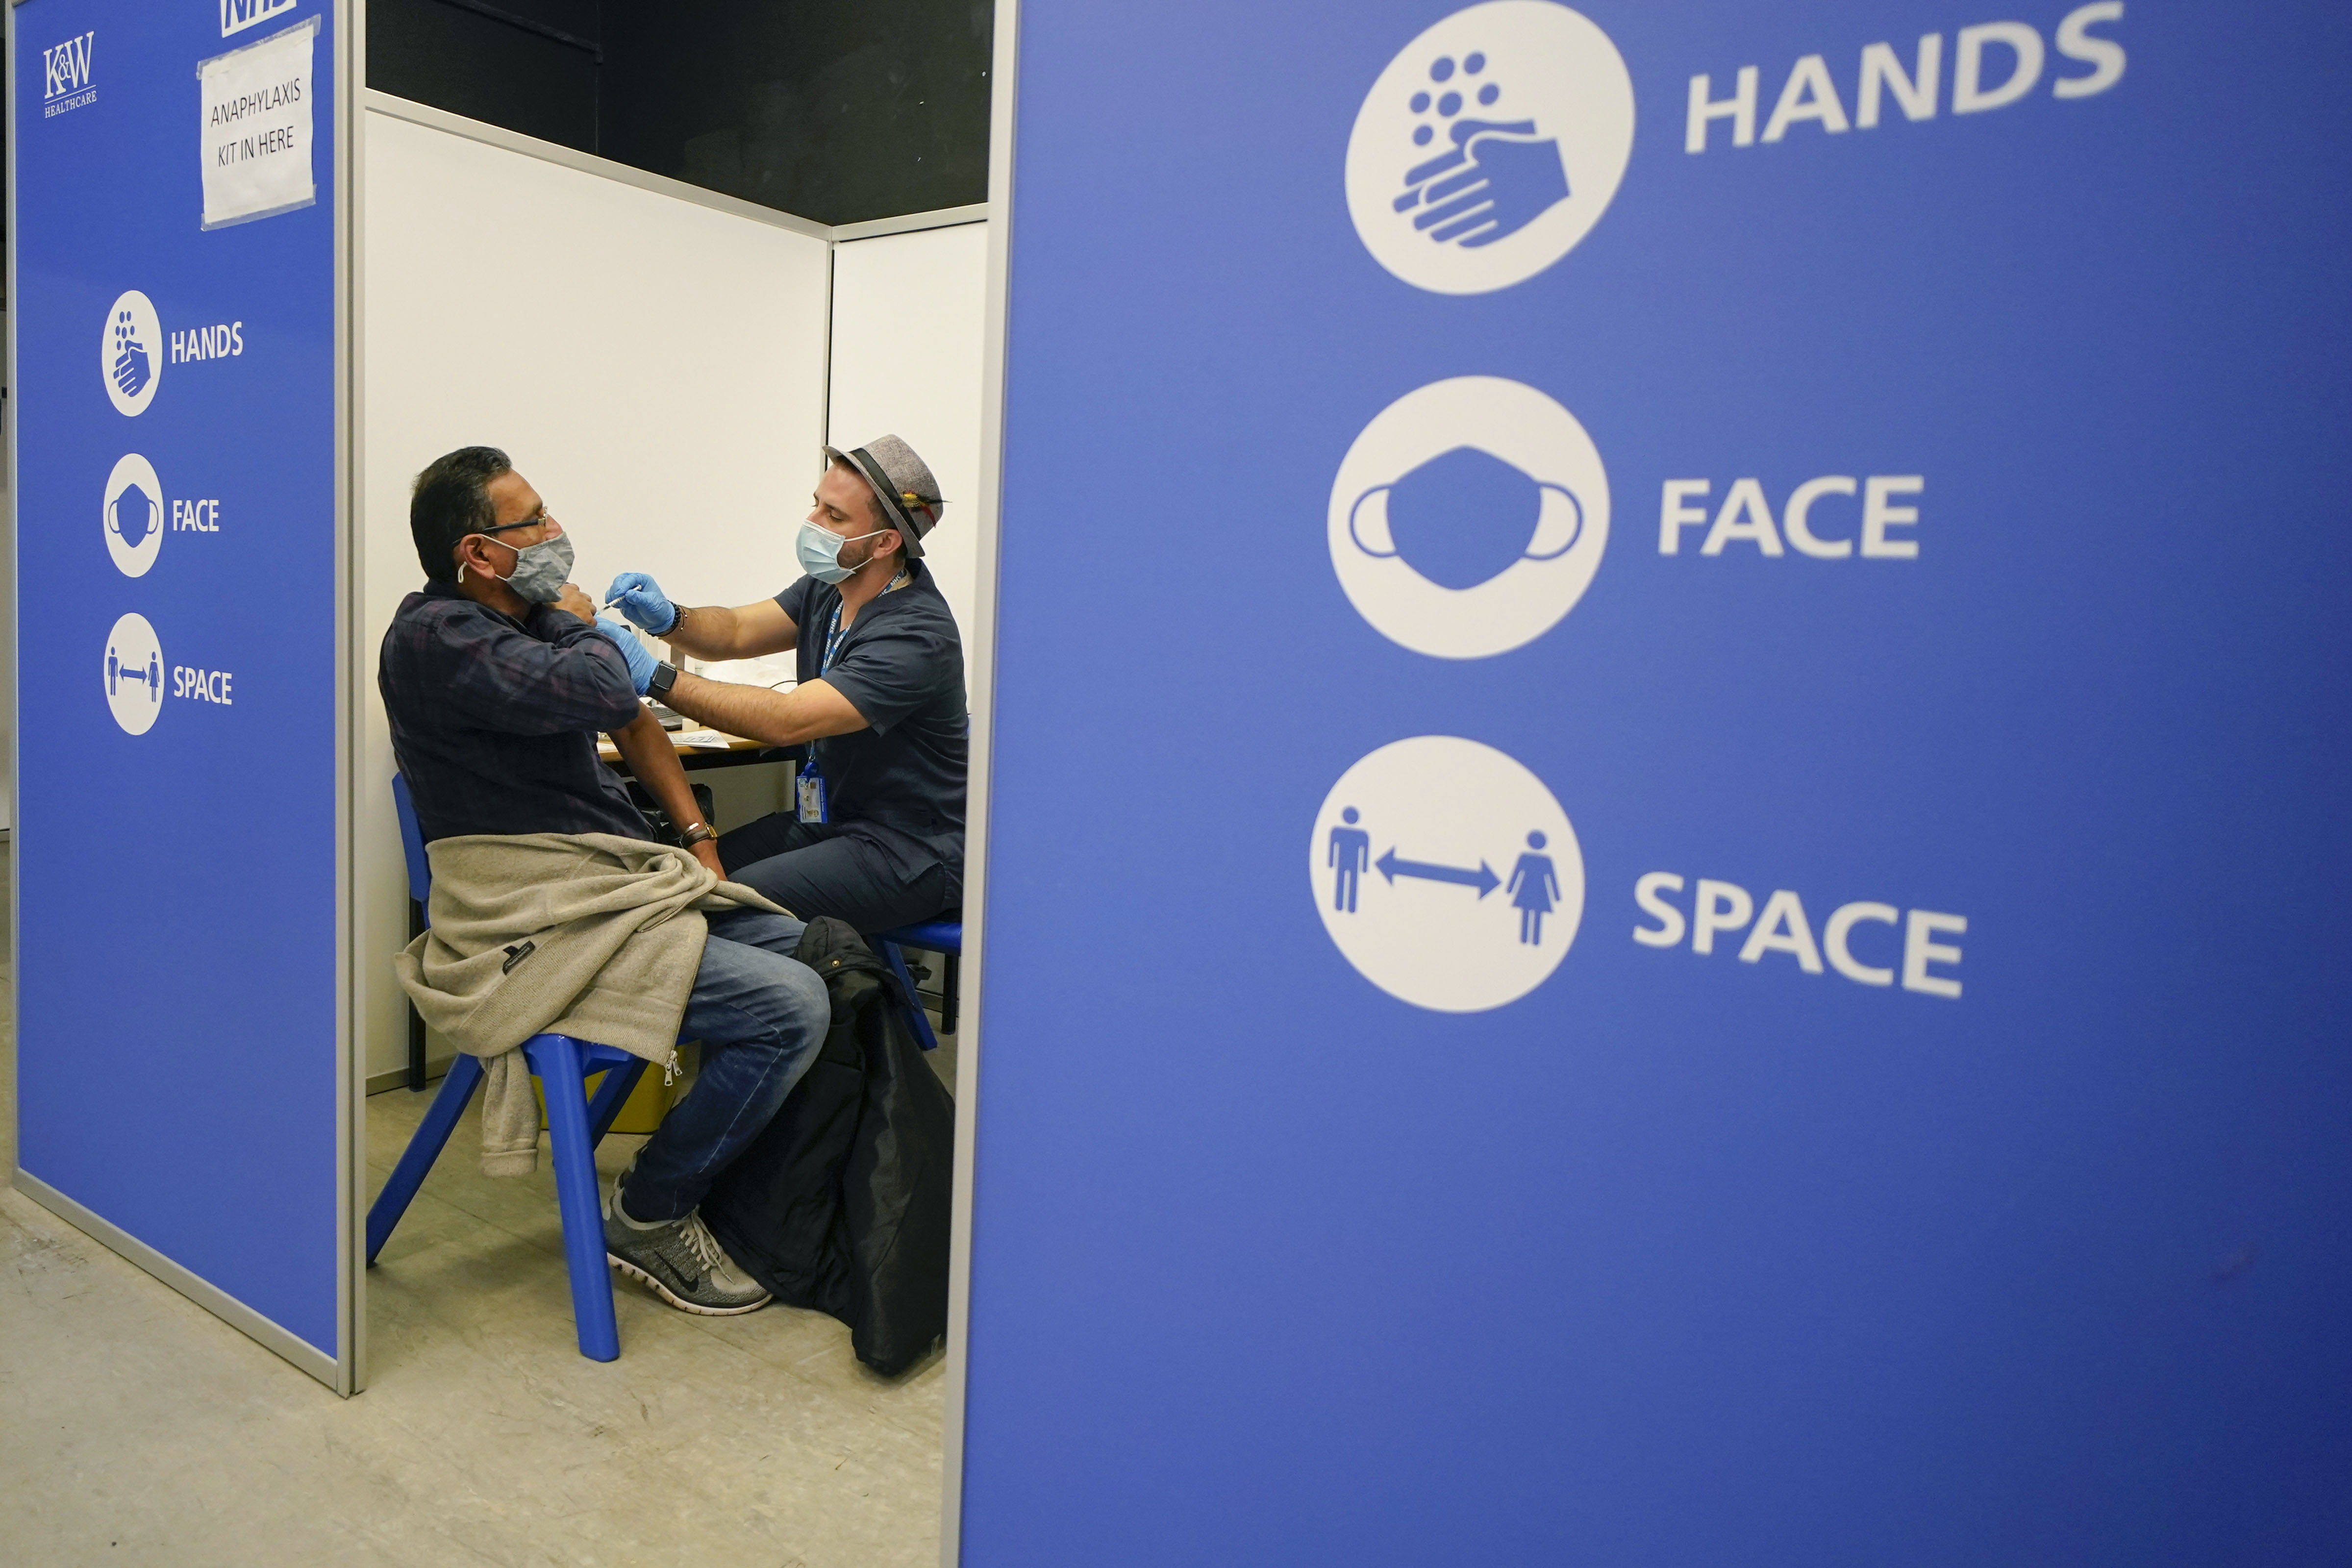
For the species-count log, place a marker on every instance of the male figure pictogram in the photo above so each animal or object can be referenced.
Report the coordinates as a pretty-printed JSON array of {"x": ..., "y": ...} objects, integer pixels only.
[{"x": 1350, "y": 852}]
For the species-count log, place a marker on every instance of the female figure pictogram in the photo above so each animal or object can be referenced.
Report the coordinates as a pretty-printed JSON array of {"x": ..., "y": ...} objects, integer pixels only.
[{"x": 1533, "y": 885}]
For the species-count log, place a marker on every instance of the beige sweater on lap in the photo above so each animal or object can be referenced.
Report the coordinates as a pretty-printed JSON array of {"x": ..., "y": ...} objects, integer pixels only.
[{"x": 589, "y": 935}]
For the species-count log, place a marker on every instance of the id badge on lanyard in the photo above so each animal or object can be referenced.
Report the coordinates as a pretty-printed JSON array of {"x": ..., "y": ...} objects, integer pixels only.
[{"x": 810, "y": 785}]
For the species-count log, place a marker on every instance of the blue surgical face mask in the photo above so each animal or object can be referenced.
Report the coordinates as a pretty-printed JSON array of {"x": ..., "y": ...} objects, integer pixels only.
[{"x": 819, "y": 550}]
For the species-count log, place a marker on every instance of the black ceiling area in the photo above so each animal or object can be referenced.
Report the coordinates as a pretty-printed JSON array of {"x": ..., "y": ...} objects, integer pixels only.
[{"x": 832, "y": 110}]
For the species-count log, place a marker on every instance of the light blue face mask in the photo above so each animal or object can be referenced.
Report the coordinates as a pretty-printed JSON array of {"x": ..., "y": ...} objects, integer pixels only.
[{"x": 819, "y": 550}]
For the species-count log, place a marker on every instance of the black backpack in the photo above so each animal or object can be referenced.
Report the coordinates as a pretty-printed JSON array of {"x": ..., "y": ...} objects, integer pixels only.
[{"x": 841, "y": 1204}]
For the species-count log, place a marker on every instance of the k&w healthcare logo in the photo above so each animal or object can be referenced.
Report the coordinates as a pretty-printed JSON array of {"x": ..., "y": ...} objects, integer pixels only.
[
  {"x": 1490, "y": 146},
  {"x": 1468, "y": 517},
  {"x": 131, "y": 352},
  {"x": 65, "y": 75},
  {"x": 237, "y": 16}
]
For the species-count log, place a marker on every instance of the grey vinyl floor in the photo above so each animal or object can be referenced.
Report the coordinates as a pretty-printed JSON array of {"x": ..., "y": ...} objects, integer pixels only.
[{"x": 137, "y": 1429}]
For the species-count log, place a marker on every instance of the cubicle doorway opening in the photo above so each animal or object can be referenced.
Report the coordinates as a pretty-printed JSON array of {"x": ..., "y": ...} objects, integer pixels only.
[{"x": 665, "y": 364}]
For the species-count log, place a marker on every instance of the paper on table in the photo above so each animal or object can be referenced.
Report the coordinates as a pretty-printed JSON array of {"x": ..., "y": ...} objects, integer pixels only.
[{"x": 709, "y": 739}]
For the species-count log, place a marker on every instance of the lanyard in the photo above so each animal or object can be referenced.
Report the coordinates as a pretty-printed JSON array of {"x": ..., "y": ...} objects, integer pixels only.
[
  {"x": 833, "y": 650},
  {"x": 832, "y": 633}
]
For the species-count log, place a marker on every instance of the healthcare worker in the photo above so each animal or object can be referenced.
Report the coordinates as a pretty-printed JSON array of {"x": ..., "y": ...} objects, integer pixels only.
[{"x": 875, "y": 837}]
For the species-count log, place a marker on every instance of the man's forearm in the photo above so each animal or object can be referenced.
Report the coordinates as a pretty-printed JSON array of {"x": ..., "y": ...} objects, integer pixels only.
[
  {"x": 703, "y": 631},
  {"x": 653, "y": 760},
  {"x": 808, "y": 712}
]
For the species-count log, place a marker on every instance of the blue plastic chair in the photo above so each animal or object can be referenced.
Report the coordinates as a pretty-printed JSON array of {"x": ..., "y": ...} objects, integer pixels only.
[
  {"x": 932, "y": 936},
  {"x": 575, "y": 1126}
]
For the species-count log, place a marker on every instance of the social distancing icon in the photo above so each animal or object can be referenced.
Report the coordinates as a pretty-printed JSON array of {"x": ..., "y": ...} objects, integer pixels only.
[
  {"x": 1447, "y": 873},
  {"x": 1468, "y": 517},
  {"x": 134, "y": 675}
]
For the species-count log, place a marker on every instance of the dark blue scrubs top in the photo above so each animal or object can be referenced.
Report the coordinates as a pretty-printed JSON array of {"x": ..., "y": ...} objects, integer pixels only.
[{"x": 900, "y": 664}]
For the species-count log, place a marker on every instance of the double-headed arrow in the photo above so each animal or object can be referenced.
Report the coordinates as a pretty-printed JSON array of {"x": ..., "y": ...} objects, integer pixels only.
[{"x": 1482, "y": 879}]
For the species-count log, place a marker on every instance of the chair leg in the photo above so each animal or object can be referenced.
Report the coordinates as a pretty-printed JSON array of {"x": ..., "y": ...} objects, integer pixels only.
[
  {"x": 898, "y": 962},
  {"x": 432, "y": 1136},
  {"x": 556, "y": 1060},
  {"x": 415, "y": 1023},
  {"x": 611, "y": 1095},
  {"x": 949, "y": 989}
]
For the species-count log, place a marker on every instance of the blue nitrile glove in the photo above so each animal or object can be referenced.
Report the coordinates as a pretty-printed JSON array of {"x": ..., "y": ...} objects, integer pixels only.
[
  {"x": 640, "y": 662},
  {"x": 640, "y": 598}
]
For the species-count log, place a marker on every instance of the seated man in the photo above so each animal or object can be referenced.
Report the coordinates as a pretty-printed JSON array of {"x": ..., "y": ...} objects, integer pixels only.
[
  {"x": 877, "y": 838},
  {"x": 496, "y": 681}
]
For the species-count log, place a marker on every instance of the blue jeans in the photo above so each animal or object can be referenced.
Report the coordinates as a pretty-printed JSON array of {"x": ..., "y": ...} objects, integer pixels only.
[{"x": 760, "y": 1015}]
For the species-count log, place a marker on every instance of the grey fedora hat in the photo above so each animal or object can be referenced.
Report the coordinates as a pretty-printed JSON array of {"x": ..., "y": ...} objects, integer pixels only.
[{"x": 902, "y": 483}]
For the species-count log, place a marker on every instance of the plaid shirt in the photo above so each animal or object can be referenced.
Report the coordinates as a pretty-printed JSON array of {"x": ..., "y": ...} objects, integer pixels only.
[{"x": 494, "y": 720}]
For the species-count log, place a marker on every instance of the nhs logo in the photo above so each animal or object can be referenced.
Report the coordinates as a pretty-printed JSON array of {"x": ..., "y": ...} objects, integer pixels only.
[
  {"x": 66, "y": 75},
  {"x": 237, "y": 16}
]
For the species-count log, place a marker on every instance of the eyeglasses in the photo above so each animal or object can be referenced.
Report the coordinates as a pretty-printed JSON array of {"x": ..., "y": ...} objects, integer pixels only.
[{"x": 537, "y": 518}]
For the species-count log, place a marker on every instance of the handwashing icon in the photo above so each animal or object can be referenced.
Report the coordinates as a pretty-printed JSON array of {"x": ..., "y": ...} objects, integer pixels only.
[
  {"x": 1489, "y": 146},
  {"x": 132, "y": 675}
]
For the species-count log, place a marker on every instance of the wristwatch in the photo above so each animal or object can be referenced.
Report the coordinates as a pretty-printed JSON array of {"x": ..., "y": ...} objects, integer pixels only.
[
  {"x": 663, "y": 677},
  {"x": 695, "y": 833}
]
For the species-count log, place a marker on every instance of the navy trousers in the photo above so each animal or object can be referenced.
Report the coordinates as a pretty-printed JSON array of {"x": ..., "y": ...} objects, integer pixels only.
[{"x": 871, "y": 877}]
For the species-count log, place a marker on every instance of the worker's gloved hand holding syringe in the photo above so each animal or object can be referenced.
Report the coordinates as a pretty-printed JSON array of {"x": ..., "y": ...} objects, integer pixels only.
[{"x": 640, "y": 598}]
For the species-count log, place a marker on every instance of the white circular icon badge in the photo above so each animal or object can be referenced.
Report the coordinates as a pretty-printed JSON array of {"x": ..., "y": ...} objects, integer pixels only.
[
  {"x": 1490, "y": 146},
  {"x": 1447, "y": 873},
  {"x": 1468, "y": 517},
  {"x": 131, "y": 353},
  {"x": 134, "y": 675},
  {"x": 132, "y": 514}
]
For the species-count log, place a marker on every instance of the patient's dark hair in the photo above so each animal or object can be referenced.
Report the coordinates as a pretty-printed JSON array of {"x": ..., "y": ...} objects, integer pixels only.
[{"x": 451, "y": 500}]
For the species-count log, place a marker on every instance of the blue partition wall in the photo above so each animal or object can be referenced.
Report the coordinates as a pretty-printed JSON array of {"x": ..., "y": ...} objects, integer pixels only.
[
  {"x": 1668, "y": 830},
  {"x": 177, "y": 654}
]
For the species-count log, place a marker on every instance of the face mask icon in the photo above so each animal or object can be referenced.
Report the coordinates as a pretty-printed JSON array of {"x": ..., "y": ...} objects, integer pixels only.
[
  {"x": 130, "y": 515},
  {"x": 1465, "y": 517}
]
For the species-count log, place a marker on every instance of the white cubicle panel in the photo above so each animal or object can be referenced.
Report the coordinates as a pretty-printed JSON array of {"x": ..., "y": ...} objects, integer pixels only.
[
  {"x": 653, "y": 365},
  {"x": 908, "y": 317}
]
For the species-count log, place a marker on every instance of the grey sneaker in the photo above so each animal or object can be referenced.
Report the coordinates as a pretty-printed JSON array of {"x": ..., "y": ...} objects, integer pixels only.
[{"x": 681, "y": 1261}]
